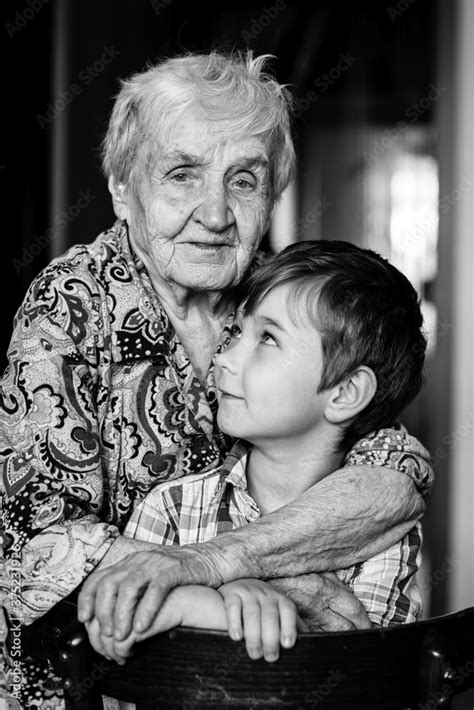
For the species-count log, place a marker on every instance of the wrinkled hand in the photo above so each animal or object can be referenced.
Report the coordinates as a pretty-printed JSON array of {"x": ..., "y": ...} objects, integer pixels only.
[
  {"x": 170, "y": 615},
  {"x": 324, "y": 602},
  {"x": 106, "y": 645},
  {"x": 127, "y": 595},
  {"x": 263, "y": 616}
]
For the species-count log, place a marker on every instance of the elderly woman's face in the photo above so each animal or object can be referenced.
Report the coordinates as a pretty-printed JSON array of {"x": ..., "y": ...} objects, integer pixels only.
[{"x": 199, "y": 205}]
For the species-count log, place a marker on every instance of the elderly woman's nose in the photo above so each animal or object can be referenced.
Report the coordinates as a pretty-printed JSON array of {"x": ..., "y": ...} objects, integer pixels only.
[{"x": 214, "y": 211}]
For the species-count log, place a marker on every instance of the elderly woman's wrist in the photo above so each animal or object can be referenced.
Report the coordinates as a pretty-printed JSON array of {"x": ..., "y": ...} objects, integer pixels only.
[
  {"x": 220, "y": 560},
  {"x": 121, "y": 548}
]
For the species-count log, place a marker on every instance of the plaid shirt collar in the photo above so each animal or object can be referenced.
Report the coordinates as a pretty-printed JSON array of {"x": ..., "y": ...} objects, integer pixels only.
[
  {"x": 233, "y": 486},
  {"x": 234, "y": 468}
]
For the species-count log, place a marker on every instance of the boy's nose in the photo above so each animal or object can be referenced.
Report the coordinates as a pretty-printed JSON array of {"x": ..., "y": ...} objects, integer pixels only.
[
  {"x": 231, "y": 358},
  {"x": 225, "y": 361}
]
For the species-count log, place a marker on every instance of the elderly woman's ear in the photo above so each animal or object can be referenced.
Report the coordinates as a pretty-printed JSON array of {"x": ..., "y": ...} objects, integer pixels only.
[{"x": 119, "y": 199}]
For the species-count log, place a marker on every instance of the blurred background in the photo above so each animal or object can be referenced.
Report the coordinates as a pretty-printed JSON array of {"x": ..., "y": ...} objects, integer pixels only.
[{"x": 384, "y": 137}]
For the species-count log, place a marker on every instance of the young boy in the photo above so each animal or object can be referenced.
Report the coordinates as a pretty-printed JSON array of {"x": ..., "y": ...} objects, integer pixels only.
[{"x": 327, "y": 349}]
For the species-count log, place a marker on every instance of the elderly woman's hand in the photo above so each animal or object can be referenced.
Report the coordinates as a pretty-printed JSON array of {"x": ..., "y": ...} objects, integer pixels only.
[
  {"x": 171, "y": 614},
  {"x": 190, "y": 605},
  {"x": 325, "y": 603},
  {"x": 128, "y": 593}
]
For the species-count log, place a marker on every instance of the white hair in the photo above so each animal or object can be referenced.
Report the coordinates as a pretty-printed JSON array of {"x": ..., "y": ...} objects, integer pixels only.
[{"x": 229, "y": 87}]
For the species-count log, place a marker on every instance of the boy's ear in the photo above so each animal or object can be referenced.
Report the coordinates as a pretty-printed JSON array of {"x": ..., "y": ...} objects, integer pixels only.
[
  {"x": 351, "y": 396},
  {"x": 120, "y": 199}
]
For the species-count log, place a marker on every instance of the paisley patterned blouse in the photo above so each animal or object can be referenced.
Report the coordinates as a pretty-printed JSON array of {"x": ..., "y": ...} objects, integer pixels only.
[{"x": 99, "y": 403}]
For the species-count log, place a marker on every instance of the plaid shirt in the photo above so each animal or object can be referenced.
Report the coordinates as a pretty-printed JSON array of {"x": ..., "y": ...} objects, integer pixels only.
[{"x": 198, "y": 508}]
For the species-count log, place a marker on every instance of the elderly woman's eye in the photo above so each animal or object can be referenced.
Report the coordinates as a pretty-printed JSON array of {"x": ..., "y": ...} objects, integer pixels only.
[
  {"x": 179, "y": 177},
  {"x": 245, "y": 182}
]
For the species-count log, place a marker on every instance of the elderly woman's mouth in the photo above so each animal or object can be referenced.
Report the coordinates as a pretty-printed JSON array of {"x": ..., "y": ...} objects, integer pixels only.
[
  {"x": 204, "y": 251},
  {"x": 209, "y": 245}
]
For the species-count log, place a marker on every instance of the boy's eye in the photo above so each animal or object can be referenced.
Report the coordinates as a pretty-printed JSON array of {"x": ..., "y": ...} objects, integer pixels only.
[
  {"x": 235, "y": 331},
  {"x": 268, "y": 339}
]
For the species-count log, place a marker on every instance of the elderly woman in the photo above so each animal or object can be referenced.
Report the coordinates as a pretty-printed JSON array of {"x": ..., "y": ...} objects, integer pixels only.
[{"x": 109, "y": 388}]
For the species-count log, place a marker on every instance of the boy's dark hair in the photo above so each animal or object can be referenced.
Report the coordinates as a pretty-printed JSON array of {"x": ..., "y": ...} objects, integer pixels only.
[{"x": 367, "y": 313}]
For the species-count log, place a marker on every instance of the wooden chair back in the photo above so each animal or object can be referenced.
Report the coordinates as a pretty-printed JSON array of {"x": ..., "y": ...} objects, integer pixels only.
[{"x": 422, "y": 665}]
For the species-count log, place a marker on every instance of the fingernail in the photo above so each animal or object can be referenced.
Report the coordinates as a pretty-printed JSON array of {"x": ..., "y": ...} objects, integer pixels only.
[
  {"x": 271, "y": 657},
  {"x": 235, "y": 635},
  {"x": 288, "y": 641}
]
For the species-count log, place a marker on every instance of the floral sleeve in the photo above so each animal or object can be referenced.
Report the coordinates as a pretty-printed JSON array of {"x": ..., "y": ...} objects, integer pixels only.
[
  {"x": 398, "y": 450},
  {"x": 52, "y": 486},
  {"x": 386, "y": 582}
]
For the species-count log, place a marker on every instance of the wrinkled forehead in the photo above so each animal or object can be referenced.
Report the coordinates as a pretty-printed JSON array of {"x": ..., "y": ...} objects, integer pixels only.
[{"x": 191, "y": 132}]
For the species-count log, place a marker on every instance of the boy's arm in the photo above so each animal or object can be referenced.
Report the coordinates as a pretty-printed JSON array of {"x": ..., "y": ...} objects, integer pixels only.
[
  {"x": 249, "y": 609},
  {"x": 193, "y": 605},
  {"x": 346, "y": 518},
  {"x": 386, "y": 583}
]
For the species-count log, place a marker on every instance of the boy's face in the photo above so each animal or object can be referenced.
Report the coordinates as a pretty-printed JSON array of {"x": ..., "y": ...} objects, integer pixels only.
[{"x": 268, "y": 377}]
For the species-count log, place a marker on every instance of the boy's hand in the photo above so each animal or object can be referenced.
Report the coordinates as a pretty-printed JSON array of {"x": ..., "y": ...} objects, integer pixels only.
[
  {"x": 262, "y": 615},
  {"x": 191, "y": 605},
  {"x": 248, "y": 608}
]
